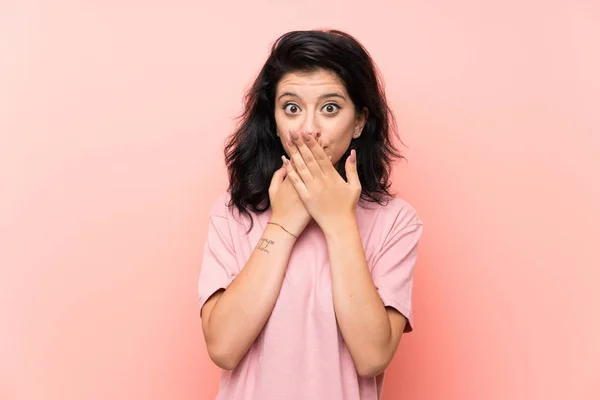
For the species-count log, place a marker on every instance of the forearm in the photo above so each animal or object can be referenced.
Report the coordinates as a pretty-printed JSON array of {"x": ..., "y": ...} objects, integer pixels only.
[
  {"x": 361, "y": 315},
  {"x": 243, "y": 309}
]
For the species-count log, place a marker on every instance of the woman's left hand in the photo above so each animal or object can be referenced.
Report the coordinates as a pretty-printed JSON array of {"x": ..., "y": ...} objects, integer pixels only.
[{"x": 329, "y": 199}]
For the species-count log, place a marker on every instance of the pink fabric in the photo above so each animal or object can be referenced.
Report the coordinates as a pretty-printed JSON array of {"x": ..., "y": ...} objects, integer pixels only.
[{"x": 301, "y": 354}]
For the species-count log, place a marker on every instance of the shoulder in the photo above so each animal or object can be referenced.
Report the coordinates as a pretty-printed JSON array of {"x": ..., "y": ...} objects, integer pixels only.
[
  {"x": 402, "y": 212},
  {"x": 223, "y": 208},
  {"x": 395, "y": 212},
  {"x": 394, "y": 218},
  {"x": 220, "y": 205}
]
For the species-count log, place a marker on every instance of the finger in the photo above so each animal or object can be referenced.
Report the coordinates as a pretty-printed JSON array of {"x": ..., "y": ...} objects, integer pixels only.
[
  {"x": 351, "y": 170},
  {"x": 278, "y": 177},
  {"x": 307, "y": 145},
  {"x": 296, "y": 157},
  {"x": 318, "y": 154},
  {"x": 298, "y": 183}
]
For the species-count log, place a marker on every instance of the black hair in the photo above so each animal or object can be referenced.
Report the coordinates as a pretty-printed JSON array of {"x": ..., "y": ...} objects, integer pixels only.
[{"x": 253, "y": 152}]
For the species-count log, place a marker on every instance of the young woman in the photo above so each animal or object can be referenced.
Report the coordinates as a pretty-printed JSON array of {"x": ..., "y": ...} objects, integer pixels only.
[{"x": 305, "y": 286}]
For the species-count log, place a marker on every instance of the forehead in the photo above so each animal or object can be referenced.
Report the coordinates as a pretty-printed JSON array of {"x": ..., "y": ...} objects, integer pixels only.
[{"x": 314, "y": 82}]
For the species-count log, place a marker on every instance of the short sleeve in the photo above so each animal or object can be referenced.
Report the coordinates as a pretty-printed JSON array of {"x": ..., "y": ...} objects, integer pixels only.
[
  {"x": 219, "y": 264},
  {"x": 394, "y": 265}
]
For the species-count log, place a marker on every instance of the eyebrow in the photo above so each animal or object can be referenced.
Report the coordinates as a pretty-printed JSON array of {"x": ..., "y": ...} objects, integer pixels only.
[{"x": 323, "y": 96}]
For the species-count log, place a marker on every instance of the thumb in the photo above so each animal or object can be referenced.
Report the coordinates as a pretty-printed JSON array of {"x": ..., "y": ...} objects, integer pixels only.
[
  {"x": 351, "y": 171},
  {"x": 278, "y": 177}
]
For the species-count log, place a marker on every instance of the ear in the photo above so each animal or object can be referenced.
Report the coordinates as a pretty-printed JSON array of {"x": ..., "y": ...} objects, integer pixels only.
[{"x": 361, "y": 120}]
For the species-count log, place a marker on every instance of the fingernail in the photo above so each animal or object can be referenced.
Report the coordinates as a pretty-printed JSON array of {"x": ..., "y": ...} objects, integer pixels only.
[
  {"x": 306, "y": 135},
  {"x": 294, "y": 135}
]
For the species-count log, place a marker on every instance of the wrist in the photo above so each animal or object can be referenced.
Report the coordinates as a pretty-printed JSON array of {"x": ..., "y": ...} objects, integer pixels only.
[
  {"x": 286, "y": 225},
  {"x": 295, "y": 236},
  {"x": 278, "y": 235},
  {"x": 341, "y": 226}
]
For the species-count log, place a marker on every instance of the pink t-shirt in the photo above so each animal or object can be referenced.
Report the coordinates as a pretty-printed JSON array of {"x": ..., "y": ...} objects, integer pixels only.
[{"x": 300, "y": 353}]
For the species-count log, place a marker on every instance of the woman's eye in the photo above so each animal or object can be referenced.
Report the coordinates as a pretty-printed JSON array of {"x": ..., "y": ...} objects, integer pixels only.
[
  {"x": 331, "y": 108},
  {"x": 291, "y": 108}
]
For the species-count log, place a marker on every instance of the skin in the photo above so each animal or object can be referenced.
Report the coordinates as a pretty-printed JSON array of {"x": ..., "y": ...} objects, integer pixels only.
[
  {"x": 316, "y": 121},
  {"x": 317, "y": 103}
]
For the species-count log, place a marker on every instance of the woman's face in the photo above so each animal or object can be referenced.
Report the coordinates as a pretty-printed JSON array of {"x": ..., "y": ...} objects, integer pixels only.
[{"x": 318, "y": 103}]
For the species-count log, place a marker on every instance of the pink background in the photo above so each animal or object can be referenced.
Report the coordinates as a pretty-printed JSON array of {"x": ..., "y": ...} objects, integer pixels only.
[{"x": 112, "y": 120}]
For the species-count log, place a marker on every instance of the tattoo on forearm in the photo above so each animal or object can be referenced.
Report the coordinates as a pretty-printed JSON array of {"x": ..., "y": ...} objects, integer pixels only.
[{"x": 264, "y": 243}]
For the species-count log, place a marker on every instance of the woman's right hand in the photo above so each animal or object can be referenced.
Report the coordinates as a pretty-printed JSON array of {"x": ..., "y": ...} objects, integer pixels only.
[{"x": 286, "y": 205}]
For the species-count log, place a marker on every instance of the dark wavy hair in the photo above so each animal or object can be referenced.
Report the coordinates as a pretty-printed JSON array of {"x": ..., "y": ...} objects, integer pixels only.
[{"x": 253, "y": 152}]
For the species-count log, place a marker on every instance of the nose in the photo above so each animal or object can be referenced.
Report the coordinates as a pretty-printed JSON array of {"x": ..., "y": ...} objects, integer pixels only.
[{"x": 311, "y": 126}]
